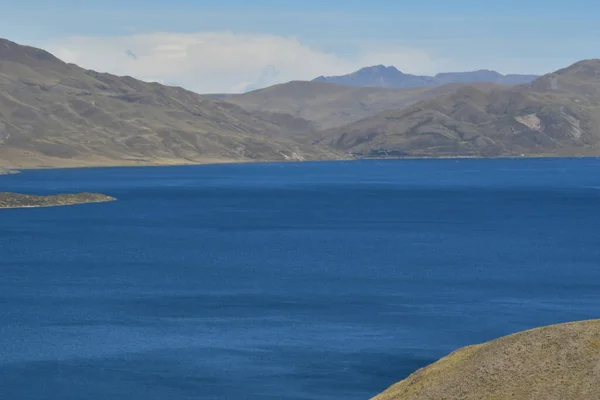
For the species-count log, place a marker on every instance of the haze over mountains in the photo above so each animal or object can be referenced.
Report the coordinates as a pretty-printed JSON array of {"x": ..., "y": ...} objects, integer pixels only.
[
  {"x": 58, "y": 114},
  {"x": 391, "y": 77}
]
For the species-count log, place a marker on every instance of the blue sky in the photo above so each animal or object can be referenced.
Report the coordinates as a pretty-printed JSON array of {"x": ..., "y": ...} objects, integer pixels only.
[{"x": 424, "y": 36}]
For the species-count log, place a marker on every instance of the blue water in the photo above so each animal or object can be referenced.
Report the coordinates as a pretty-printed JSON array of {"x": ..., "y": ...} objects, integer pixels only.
[{"x": 286, "y": 281}]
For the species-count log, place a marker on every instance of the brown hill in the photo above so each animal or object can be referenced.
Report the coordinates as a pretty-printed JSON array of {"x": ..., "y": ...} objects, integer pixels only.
[
  {"x": 558, "y": 362},
  {"x": 330, "y": 105},
  {"x": 557, "y": 114},
  {"x": 57, "y": 114}
]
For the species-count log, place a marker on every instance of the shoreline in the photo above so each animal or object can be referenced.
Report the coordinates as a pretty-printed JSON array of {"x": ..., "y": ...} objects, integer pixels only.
[
  {"x": 57, "y": 205},
  {"x": 15, "y": 170}
]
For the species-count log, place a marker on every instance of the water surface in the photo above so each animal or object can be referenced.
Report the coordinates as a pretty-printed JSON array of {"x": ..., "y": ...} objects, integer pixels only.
[{"x": 286, "y": 281}]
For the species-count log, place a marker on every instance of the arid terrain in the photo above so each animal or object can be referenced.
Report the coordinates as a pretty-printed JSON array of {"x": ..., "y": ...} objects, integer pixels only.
[
  {"x": 551, "y": 363},
  {"x": 54, "y": 114},
  {"x": 557, "y": 114}
]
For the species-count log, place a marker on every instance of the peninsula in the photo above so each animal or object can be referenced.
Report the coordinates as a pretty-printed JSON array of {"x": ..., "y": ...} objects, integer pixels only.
[
  {"x": 15, "y": 200},
  {"x": 553, "y": 362}
]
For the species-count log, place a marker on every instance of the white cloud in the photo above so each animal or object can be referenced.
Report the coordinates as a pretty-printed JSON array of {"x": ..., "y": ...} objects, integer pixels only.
[{"x": 223, "y": 61}]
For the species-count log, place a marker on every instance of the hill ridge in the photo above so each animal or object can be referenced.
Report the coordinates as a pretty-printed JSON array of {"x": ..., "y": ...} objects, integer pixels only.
[
  {"x": 557, "y": 114},
  {"x": 58, "y": 114},
  {"x": 331, "y": 105},
  {"x": 391, "y": 77}
]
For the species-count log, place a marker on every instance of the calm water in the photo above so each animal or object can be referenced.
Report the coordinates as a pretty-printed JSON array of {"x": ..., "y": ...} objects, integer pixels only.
[{"x": 286, "y": 281}]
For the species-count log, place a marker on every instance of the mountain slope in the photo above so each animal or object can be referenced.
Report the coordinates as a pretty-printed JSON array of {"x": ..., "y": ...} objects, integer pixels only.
[
  {"x": 557, "y": 114},
  {"x": 57, "y": 114},
  {"x": 554, "y": 363},
  {"x": 330, "y": 105},
  {"x": 391, "y": 77}
]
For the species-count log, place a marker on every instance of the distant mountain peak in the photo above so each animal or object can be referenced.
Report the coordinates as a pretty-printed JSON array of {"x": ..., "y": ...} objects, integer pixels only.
[
  {"x": 380, "y": 67},
  {"x": 382, "y": 71},
  {"x": 391, "y": 77}
]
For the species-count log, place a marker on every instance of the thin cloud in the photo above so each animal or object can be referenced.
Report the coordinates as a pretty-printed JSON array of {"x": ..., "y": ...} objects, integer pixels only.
[{"x": 210, "y": 62}]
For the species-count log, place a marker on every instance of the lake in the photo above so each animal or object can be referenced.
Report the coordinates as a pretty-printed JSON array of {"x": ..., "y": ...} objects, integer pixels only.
[{"x": 324, "y": 281}]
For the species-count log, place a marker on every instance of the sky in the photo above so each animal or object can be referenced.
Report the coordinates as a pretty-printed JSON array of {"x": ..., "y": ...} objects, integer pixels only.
[{"x": 211, "y": 46}]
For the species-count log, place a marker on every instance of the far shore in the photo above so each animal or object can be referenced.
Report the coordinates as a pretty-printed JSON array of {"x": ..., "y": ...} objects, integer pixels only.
[{"x": 15, "y": 169}]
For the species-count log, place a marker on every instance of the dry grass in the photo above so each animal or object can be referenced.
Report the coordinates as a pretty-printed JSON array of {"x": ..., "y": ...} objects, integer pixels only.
[{"x": 560, "y": 362}]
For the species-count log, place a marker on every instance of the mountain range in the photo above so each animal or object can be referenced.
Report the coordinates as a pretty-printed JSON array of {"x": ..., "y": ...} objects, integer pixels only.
[
  {"x": 391, "y": 77},
  {"x": 58, "y": 114},
  {"x": 54, "y": 114},
  {"x": 557, "y": 114}
]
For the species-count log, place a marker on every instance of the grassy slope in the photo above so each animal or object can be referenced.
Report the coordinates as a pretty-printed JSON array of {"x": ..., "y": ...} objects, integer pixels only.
[{"x": 551, "y": 363}]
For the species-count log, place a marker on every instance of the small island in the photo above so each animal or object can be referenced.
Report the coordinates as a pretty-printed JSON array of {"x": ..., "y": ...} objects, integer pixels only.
[{"x": 15, "y": 200}]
